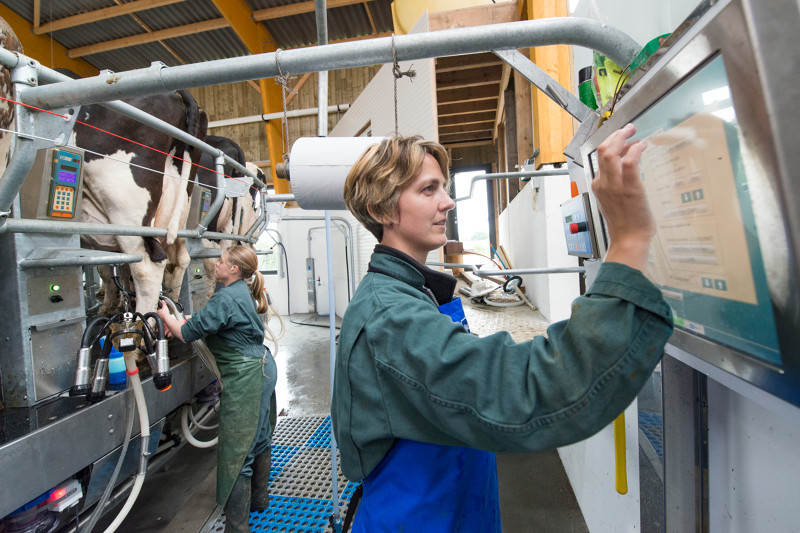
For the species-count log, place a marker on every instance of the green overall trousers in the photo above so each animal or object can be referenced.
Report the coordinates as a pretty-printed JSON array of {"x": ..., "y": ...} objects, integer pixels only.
[{"x": 244, "y": 426}]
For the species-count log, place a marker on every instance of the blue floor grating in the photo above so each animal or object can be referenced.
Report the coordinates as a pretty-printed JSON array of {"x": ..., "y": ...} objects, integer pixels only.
[
  {"x": 299, "y": 480},
  {"x": 651, "y": 425}
]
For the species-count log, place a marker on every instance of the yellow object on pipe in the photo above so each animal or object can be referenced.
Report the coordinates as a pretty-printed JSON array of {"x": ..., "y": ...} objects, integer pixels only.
[{"x": 620, "y": 467}]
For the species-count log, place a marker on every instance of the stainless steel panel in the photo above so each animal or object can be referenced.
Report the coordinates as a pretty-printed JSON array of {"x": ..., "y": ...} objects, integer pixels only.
[
  {"x": 311, "y": 285},
  {"x": 685, "y": 447},
  {"x": 41, "y": 299},
  {"x": 59, "y": 446},
  {"x": 54, "y": 353},
  {"x": 103, "y": 468}
]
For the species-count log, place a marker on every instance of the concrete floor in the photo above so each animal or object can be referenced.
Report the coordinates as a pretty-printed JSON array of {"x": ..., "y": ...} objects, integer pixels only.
[{"x": 535, "y": 494}]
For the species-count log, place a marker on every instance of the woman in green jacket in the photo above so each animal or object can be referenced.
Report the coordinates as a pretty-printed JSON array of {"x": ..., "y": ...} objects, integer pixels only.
[
  {"x": 420, "y": 406},
  {"x": 234, "y": 333}
]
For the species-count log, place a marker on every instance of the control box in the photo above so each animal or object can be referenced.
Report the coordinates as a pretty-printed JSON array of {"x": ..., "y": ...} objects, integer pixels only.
[
  {"x": 199, "y": 204},
  {"x": 53, "y": 189},
  {"x": 578, "y": 227}
]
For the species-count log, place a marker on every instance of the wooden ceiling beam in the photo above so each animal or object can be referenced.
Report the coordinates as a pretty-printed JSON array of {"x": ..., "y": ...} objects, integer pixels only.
[
  {"x": 468, "y": 128},
  {"x": 470, "y": 94},
  {"x": 468, "y": 144},
  {"x": 481, "y": 65},
  {"x": 471, "y": 118},
  {"x": 452, "y": 63},
  {"x": 297, "y": 86},
  {"x": 170, "y": 33},
  {"x": 449, "y": 110},
  {"x": 98, "y": 14},
  {"x": 469, "y": 78},
  {"x": 299, "y": 8},
  {"x": 148, "y": 29},
  {"x": 501, "y": 102},
  {"x": 370, "y": 17},
  {"x": 464, "y": 137},
  {"x": 44, "y": 49}
]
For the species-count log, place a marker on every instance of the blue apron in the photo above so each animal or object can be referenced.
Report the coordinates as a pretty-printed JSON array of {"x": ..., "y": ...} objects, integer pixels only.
[{"x": 430, "y": 488}]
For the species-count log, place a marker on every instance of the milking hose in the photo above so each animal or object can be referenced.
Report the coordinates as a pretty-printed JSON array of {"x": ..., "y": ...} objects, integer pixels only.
[
  {"x": 113, "y": 481},
  {"x": 187, "y": 433},
  {"x": 144, "y": 424}
]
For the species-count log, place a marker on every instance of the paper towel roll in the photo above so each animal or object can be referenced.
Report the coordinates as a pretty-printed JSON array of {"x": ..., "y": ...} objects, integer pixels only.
[{"x": 318, "y": 167}]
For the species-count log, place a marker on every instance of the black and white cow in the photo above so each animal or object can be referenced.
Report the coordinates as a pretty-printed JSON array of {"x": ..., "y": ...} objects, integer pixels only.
[
  {"x": 240, "y": 209},
  {"x": 139, "y": 185},
  {"x": 9, "y": 41}
]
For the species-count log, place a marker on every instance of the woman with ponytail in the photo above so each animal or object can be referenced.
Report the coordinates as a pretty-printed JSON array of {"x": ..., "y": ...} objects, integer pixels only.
[{"x": 235, "y": 335}]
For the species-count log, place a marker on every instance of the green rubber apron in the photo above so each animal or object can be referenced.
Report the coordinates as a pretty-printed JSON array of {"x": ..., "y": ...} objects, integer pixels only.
[{"x": 240, "y": 405}]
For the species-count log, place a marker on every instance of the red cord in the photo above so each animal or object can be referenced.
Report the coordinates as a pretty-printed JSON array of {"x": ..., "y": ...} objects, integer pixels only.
[{"x": 129, "y": 140}]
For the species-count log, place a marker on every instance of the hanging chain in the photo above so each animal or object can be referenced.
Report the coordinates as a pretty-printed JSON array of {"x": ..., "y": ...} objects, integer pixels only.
[
  {"x": 411, "y": 73},
  {"x": 283, "y": 81}
]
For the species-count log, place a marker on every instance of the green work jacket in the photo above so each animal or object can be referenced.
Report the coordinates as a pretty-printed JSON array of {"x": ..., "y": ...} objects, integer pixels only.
[
  {"x": 405, "y": 371},
  {"x": 231, "y": 315}
]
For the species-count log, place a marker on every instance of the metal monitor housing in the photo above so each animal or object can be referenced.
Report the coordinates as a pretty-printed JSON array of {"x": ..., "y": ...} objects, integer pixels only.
[{"x": 754, "y": 40}]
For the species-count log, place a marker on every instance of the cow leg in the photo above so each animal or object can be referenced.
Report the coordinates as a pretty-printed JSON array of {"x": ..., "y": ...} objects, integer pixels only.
[
  {"x": 178, "y": 261},
  {"x": 210, "y": 267}
]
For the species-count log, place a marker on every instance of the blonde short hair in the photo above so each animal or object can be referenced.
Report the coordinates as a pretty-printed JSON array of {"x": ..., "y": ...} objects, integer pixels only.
[{"x": 373, "y": 186}]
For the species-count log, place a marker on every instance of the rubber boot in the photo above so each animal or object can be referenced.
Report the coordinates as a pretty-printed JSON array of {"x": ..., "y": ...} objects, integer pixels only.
[
  {"x": 237, "y": 509},
  {"x": 259, "y": 496}
]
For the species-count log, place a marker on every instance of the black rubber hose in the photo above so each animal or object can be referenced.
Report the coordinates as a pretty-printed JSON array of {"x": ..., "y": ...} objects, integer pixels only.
[
  {"x": 121, "y": 288},
  {"x": 87, "y": 333},
  {"x": 159, "y": 324}
]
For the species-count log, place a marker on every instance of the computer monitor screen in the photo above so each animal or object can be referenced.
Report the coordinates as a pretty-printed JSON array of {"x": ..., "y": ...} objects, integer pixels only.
[{"x": 707, "y": 253}]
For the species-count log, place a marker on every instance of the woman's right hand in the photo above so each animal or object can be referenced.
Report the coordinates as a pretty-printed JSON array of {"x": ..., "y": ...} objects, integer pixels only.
[{"x": 621, "y": 194}]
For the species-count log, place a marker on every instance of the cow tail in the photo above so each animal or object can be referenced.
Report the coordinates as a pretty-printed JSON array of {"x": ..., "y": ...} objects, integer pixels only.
[
  {"x": 155, "y": 251},
  {"x": 196, "y": 125},
  {"x": 190, "y": 107}
]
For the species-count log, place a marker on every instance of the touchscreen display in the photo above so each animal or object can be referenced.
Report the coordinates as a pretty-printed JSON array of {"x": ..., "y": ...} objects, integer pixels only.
[{"x": 707, "y": 255}]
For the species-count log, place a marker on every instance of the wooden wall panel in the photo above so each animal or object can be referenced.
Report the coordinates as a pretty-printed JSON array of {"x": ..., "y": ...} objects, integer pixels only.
[
  {"x": 235, "y": 100},
  {"x": 468, "y": 157},
  {"x": 553, "y": 127}
]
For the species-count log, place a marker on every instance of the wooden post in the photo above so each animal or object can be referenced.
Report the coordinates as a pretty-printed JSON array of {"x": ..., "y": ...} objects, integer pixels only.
[{"x": 553, "y": 127}]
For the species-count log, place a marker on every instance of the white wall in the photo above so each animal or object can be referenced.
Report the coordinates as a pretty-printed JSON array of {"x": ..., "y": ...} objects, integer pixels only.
[
  {"x": 531, "y": 232},
  {"x": 294, "y": 236},
  {"x": 643, "y": 20},
  {"x": 416, "y": 114},
  {"x": 416, "y": 101},
  {"x": 754, "y": 464}
]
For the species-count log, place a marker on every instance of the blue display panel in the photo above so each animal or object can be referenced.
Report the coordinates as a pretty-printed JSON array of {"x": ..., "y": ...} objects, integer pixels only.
[
  {"x": 707, "y": 253},
  {"x": 65, "y": 176}
]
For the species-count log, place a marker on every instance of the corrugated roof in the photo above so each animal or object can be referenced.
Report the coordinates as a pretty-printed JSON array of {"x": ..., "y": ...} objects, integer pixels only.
[
  {"x": 467, "y": 87},
  {"x": 289, "y": 31}
]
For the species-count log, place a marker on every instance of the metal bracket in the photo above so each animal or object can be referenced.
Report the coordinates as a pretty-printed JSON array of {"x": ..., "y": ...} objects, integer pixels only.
[
  {"x": 587, "y": 127},
  {"x": 531, "y": 72}
]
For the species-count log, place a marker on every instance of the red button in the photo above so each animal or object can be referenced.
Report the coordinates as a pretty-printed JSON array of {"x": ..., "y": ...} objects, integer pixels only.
[{"x": 577, "y": 227}]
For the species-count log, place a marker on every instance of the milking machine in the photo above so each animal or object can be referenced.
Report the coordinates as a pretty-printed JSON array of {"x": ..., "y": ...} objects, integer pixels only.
[{"x": 61, "y": 423}]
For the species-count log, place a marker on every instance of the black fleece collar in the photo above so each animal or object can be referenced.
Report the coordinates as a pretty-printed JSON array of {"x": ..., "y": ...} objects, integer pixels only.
[{"x": 440, "y": 284}]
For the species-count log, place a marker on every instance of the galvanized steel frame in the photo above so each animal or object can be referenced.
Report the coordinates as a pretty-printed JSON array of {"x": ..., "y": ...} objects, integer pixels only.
[{"x": 107, "y": 87}]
